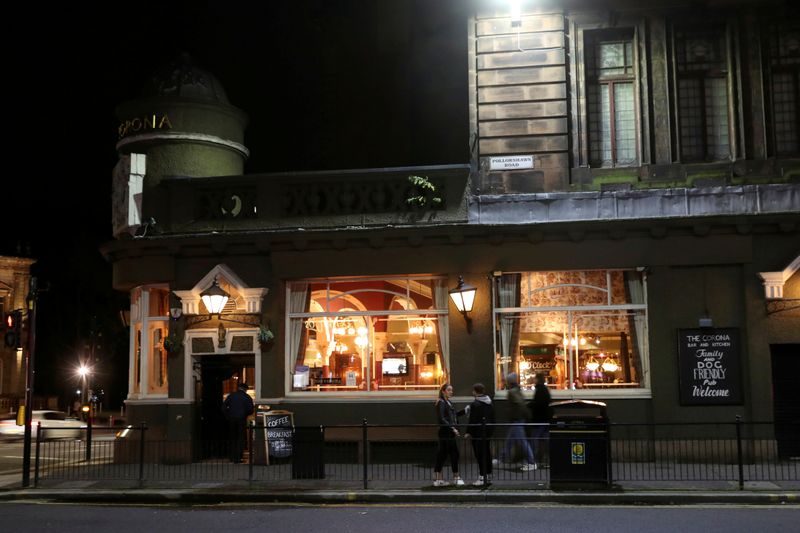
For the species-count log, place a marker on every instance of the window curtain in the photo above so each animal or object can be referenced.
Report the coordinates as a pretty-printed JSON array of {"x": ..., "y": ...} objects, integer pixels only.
[
  {"x": 299, "y": 300},
  {"x": 634, "y": 282},
  {"x": 508, "y": 295},
  {"x": 440, "y": 297}
]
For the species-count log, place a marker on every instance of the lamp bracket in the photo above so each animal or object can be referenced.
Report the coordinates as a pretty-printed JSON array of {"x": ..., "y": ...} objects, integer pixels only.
[
  {"x": 783, "y": 304},
  {"x": 244, "y": 319},
  {"x": 468, "y": 320}
]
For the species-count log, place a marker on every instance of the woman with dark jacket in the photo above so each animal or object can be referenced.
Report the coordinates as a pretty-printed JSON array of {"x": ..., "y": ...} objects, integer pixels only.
[
  {"x": 448, "y": 418},
  {"x": 481, "y": 416},
  {"x": 541, "y": 414}
]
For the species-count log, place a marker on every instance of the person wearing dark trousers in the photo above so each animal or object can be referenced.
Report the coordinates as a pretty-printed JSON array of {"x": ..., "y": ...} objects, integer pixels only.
[
  {"x": 448, "y": 419},
  {"x": 480, "y": 429},
  {"x": 237, "y": 407},
  {"x": 541, "y": 415},
  {"x": 516, "y": 431}
]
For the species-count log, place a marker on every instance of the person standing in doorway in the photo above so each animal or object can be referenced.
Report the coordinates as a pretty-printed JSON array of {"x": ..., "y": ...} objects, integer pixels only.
[
  {"x": 237, "y": 407},
  {"x": 481, "y": 428},
  {"x": 541, "y": 415},
  {"x": 448, "y": 432}
]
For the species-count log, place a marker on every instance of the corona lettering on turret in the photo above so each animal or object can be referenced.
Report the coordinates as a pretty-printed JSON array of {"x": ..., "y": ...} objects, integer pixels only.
[{"x": 153, "y": 121}]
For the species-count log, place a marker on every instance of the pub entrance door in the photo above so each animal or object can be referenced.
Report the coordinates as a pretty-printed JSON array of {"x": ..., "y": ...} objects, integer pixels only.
[
  {"x": 220, "y": 376},
  {"x": 785, "y": 400}
]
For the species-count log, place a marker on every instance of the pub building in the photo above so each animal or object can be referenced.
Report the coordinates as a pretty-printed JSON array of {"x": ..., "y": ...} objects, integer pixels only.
[{"x": 628, "y": 217}]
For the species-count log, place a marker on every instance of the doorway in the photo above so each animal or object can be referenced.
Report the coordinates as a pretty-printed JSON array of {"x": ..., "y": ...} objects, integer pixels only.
[
  {"x": 785, "y": 400},
  {"x": 219, "y": 376}
]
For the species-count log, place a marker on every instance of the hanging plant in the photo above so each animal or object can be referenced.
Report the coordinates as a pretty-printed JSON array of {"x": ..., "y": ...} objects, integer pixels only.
[
  {"x": 265, "y": 335},
  {"x": 423, "y": 193}
]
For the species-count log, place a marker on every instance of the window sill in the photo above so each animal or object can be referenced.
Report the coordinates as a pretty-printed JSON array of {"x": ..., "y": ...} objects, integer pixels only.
[
  {"x": 588, "y": 394},
  {"x": 360, "y": 396}
]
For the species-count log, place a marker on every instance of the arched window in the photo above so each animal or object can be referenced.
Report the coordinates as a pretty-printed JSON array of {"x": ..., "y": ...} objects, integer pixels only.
[{"x": 367, "y": 335}]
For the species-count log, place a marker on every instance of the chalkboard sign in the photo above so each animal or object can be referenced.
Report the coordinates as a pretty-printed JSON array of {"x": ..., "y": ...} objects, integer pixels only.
[
  {"x": 278, "y": 427},
  {"x": 709, "y": 365}
]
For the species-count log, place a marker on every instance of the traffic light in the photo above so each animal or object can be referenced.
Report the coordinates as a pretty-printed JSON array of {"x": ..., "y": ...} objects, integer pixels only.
[{"x": 13, "y": 324}]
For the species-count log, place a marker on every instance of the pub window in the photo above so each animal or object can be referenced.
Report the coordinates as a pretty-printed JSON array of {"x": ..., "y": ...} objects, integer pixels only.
[
  {"x": 149, "y": 328},
  {"x": 580, "y": 329},
  {"x": 610, "y": 98},
  {"x": 135, "y": 343},
  {"x": 701, "y": 65},
  {"x": 783, "y": 80},
  {"x": 137, "y": 358},
  {"x": 367, "y": 335},
  {"x": 157, "y": 364}
]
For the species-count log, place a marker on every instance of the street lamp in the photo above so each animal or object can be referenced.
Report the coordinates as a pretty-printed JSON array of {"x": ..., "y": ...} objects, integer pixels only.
[{"x": 83, "y": 372}]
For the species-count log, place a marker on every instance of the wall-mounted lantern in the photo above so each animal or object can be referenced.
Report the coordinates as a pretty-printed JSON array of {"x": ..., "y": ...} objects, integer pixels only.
[{"x": 464, "y": 298}]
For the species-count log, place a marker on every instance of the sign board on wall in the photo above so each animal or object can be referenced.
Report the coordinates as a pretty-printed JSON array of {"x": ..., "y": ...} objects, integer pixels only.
[
  {"x": 541, "y": 358},
  {"x": 709, "y": 363},
  {"x": 511, "y": 162}
]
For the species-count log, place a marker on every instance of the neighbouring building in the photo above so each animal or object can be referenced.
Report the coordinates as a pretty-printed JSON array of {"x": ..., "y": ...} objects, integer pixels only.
[
  {"x": 14, "y": 280},
  {"x": 629, "y": 217}
]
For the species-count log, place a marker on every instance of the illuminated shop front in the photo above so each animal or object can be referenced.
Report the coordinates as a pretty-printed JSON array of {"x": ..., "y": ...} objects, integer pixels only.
[
  {"x": 584, "y": 272},
  {"x": 381, "y": 335},
  {"x": 581, "y": 328}
]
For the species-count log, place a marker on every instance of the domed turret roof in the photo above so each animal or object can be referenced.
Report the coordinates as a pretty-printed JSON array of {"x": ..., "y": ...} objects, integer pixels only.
[{"x": 182, "y": 79}]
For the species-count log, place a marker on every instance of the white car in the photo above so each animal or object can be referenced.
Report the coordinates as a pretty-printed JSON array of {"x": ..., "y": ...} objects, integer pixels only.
[{"x": 55, "y": 425}]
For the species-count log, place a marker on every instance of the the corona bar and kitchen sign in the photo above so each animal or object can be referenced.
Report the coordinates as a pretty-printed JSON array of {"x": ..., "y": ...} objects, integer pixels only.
[
  {"x": 153, "y": 121},
  {"x": 511, "y": 162},
  {"x": 708, "y": 360}
]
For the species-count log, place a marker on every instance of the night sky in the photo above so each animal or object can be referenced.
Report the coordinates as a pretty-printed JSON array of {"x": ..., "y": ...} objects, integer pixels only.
[{"x": 327, "y": 84}]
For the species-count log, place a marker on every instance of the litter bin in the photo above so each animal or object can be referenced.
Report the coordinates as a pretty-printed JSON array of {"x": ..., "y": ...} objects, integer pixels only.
[
  {"x": 579, "y": 445},
  {"x": 308, "y": 446}
]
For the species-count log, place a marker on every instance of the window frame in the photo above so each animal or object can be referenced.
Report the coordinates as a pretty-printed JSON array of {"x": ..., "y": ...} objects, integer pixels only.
[
  {"x": 729, "y": 37},
  {"x": 770, "y": 66},
  {"x": 595, "y": 39},
  {"x": 578, "y": 88},
  {"x": 643, "y": 392},
  {"x": 141, "y": 369},
  {"x": 441, "y": 314}
]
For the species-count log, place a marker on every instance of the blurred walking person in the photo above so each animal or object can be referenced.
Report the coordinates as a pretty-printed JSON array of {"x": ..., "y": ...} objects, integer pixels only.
[{"x": 518, "y": 414}]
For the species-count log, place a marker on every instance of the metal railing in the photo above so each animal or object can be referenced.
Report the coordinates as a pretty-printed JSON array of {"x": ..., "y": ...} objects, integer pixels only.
[{"x": 701, "y": 455}]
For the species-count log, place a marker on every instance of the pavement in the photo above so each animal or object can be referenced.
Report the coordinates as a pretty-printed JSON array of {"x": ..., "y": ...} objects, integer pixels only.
[{"x": 205, "y": 493}]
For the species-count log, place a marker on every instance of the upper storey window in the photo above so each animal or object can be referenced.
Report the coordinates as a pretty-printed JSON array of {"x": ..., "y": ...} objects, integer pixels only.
[
  {"x": 702, "y": 67},
  {"x": 783, "y": 80},
  {"x": 610, "y": 96}
]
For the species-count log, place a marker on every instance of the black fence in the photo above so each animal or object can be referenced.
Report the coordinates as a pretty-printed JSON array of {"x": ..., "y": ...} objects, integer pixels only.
[{"x": 715, "y": 455}]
